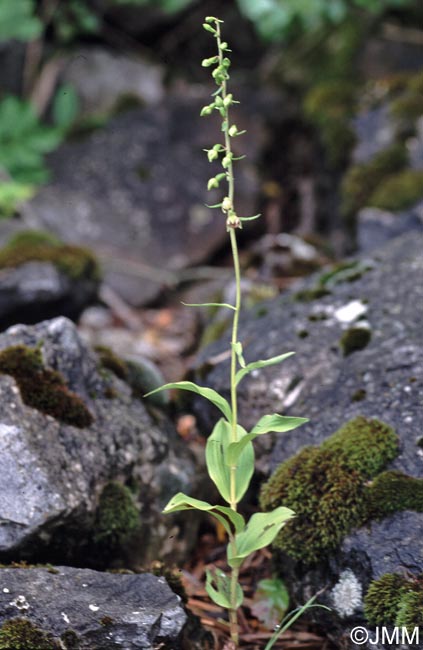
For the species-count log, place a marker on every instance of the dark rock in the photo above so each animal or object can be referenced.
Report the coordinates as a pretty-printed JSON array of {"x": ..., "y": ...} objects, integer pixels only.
[
  {"x": 102, "y": 79},
  {"x": 322, "y": 384},
  {"x": 38, "y": 290},
  {"x": 53, "y": 474},
  {"x": 376, "y": 227},
  {"x": 135, "y": 193},
  {"x": 87, "y": 609}
]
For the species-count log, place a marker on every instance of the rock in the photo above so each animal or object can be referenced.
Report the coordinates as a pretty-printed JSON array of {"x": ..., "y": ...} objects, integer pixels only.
[
  {"x": 40, "y": 278},
  {"x": 80, "y": 608},
  {"x": 376, "y": 227},
  {"x": 382, "y": 380},
  {"x": 71, "y": 443},
  {"x": 135, "y": 193},
  {"x": 102, "y": 79}
]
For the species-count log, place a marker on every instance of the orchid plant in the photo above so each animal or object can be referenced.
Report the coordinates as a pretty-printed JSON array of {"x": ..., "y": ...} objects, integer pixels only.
[{"x": 229, "y": 448}]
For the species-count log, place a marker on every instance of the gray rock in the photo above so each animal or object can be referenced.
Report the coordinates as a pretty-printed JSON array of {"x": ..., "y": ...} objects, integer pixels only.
[
  {"x": 52, "y": 473},
  {"x": 93, "y": 610},
  {"x": 101, "y": 78},
  {"x": 36, "y": 291},
  {"x": 135, "y": 193},
  {"x": 376, "y": 227},
  {"x": 384, "y": 380}
]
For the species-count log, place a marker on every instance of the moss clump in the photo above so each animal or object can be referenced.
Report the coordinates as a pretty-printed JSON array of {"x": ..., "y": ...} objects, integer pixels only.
[
  {"x": 330, "y": 105},
  {"x": 354, "y": 338},
  {"x": 361, "y": 181},
  {"x": 393, "y": 491},
  {"x": 42, "y": 388},
  {"x": 398, "y": 191},
  {"x": 110, "y": 361},
  {"x": 21, "y": 634},
  {"x": 38, "y": 246},
  {"x": 408, "y": 106},
  {"x": 343, "y": 272},
  {"x": 395, "y": 600},
  {"x": 359, "y": 395},
  {"x": 410, "y": 611},
  {"x": 326, "y": 487},
  {"x": 383, "y": 598},
  {"x": 172, "y": 576},
  {"x": 117, "y": 517}
]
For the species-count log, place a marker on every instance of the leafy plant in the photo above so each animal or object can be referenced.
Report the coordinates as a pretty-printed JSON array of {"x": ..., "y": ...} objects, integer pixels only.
[
  {"x": 18, "y": 20},
  {"x": 229, "y": 448}
]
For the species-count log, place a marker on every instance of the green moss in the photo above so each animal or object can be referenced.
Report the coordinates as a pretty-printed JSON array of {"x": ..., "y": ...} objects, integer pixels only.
[
  {"x": 117, "y": 517},
  {"x": 393, "y": 599},
  {"x": 343, "y": 272},
  {"x": 172, "y": 577},
  {"x": 408, "y": 106},
  {"x": 398, "y": 191},
  {"x": 355, "y": 338},
  {"x": 326, "y": 487},
  {"x": 361, "y": 181},
  {"x": 70, "y": 640},
  {"x": 393, "y": 491},
  {"x": 110, "y": 361},
  {"x": 410, "y": 611},
  {"x": 359, "y": 395},
  {"x": 383, "y": 599},
  {"x": 302, "y": 334},
  {"x": 38, "y": 246},
  {"x": 330, "y": 105},
  {"x": 42, "y": 388},
  {"x": 21, "y": 634},
  {"x": 357, "y": 438}
]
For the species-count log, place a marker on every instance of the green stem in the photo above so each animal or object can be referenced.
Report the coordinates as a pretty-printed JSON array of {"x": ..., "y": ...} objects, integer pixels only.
[{"x": 233, "y": 619}]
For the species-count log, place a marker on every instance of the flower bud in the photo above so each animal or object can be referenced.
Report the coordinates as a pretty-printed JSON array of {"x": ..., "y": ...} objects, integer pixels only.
[
  {"x": 206, "y": 63},
  {"x": 226, "y": 204},
  {"x": 228, "y": 100},
  {"x": 233, "y": 130},
  {"x": 212, "y": 155},
  {"x": 207, "y": 110},
  {"x": 212, "y": 183},
  {"x": 226, "y": 161}
]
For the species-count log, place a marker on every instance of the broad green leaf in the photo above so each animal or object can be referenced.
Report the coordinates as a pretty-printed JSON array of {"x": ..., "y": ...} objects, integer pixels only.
[
  {"x": 216, "y": 453},
  {"x": 208, "y": 393},
  {"x": 278, "y": 423},
  {"x": 270, "y": 602},
  {"x": 262, "y": 363},
  {"x": 259, "y": 532},
  {"x": 208, "y": 304},
  {"x": 222, "y": 513},
  {"x": 266, "y": 424},
  {"x": 221, "y": 594}
]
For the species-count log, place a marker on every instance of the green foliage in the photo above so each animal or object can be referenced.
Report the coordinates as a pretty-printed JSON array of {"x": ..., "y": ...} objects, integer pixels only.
[
  {"x": 21, "y": 634},
  {"x": 24, "y": 141},
  {"x": 18, "y": 20},
  {"x": 270, "y": 602},
  {"x": 41, "y": 388},
  {"x": 117, "y": 518},
  {"x": 410, "y": 611},
  {"x": 327, "y": 487},
  {"x": 12, "y": 194},
  {"x": 277, "y": 19}
]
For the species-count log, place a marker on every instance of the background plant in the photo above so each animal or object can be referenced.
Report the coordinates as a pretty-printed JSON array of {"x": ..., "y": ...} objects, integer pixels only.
[{"x": 229, "y": 448}]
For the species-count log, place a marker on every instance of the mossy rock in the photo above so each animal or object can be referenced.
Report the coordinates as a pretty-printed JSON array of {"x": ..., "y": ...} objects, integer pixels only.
[
  {"x": 21, "y": 634},
  {"x": 361, "y": 181},
  {"x": 112, "y": 362},
  {"x": 330, "y": 105},
  {"x": 42, "y": 388},
  {"x": 117, "y": 517},
  {"x": 327, "y": 487},
  {"x": 395, "y": 600},
  {"x": 39, "y": 246},
  {"x": 398, "y": 191}
]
